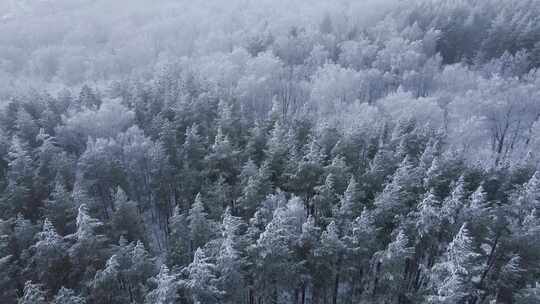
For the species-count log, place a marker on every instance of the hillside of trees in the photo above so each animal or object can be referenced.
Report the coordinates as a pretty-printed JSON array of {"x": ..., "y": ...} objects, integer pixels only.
[{"x": 270, "y": 152}]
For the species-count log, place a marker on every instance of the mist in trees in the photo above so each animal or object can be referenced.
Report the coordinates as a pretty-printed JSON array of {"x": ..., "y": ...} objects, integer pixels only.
[{"x": 268, "y": 152}]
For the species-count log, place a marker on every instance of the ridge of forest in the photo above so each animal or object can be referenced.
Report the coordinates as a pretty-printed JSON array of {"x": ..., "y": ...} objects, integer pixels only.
[{"x": 258, "y": 152}]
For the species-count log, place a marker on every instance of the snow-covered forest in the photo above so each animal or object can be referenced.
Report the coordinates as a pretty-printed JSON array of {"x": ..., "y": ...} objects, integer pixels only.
[{"x": 269, "y": 151}]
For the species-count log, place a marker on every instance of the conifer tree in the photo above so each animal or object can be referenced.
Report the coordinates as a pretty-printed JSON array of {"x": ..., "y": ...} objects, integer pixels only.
[
  {"x": 339, "y": 169},
  {"x": 325, "y": 199},
  {"x": 200, "y": 227},
  {"x": 106, "y": 286},
  {"x": 88, "y": 250},
  {"x": 32, "y": 294},
  {"x": 60, "y": 208},
  {"x": 331, "y": 252},
  {"x": 24, "y": 233},
  {"x": 429, "y": 221},
  {"x": 141, "y": 268},
  {"x": 529, "y": 295},
  {"x": 359, "y": 245},
  {"x": 68, "y": 296},
  {"x": 452, "y": 206},
  {"x": 193, "y": 153},
  {"x": 256, "y": 143},
  {"x": 126, "y": 220},
  {"x": 229, "y": 266},
  {"x": 255, "y": 190},
  {"x": 201, "y": 279},
  {"x": 166, "y": 288},
  {"x": 391, "y": 270},
  {"x": 306, "y": 172},
  {"x": 49, "y": 261},
  {"x": 452, "y": 277},
  {"x": 222, "y": 158},
  {"x": 275, "y": 268},
  {"x": 18, "y": 193},
  {"x": 349, "y": 206},
  {"x": 179, "y": 240}
]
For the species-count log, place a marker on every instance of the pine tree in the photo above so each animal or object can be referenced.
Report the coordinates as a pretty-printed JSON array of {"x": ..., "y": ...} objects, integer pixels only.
[
  {"x": 429, "y": 221},
  {"x": 255, "y": 191},
  {"x": 382, "y": 165},
  {"x": 166, "y": 288},
  {"x": 249, "y": 170},
  {"x": 49, "y": 262},
  {"x": 325, "y": 199},
  {"x": 201, "y": 279},
  {"x": 478, "y": 213},
  {"x": 359, "y": 244},
  {"x": 530, "y": 195},
  {"x": 218, "y": 197},
  {"x": 32, "y": 294},
  {"x": 60, "y": 208},
  {"x": 428, "y": 156},
  {"x": 339, "y": 169},
  {"x": 8, "y": 266},
  {"x": 68, "y": 296},
  {"x": 88, "y": 98},
  {"x": 222, "y": 158},
  {"x": 509, "y": 276},
  {"x": 46, "y": 163},
  {"x": 276, "y": 151},
  {"x": 436, "y": 178},
  {"x": 229, "y": 120},
  {"x": 7, "y": 286},
  {"x": 452, "y": 277},
  {"x": 275, "y": 245},
  {"x": 256, "y": 144},
  {"x": 27, "y": 127},
  {"x": 331, "y": 253},
  {"x": 398, "y": 196},
  {"x": 229, "y": 267},
  {"x": 529, "y": 295},
  {"x": 452, "y": 206},
  {"x": 179, "y": 240},
  {"x": 106, "y": 286},
  {"x": 349, "y": 206},
  {"x": 126, "y": 220},
  {"x": 23, "y": 233},
  {"x": 99, "y": 172},
  {"x": 193, "y": 152},
  {"x": 169, "y": 142},
  {"x": 305, "y": 173},
  {"x": 141, "y": 268},
  {"x": 193, "y": 148},
  {"x": 391, "y": 269},
  {"x": 307, "y": 244},
  {"x": 200, "y": 227},
  {"x": 18, "y": 195},
  {"x": 87, "y": 253},
  {"x": 86, "y": 225}
]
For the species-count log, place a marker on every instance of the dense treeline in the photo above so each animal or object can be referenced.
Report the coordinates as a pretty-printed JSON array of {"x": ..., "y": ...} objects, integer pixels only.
[{"x": 394, "y": 162}]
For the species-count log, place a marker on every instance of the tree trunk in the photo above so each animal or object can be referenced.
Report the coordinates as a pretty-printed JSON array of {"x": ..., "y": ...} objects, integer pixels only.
[
  {"x": 251, "y": 296},
  {"x": 315, "y": 295},
  {"x": 336, "y": 282}
]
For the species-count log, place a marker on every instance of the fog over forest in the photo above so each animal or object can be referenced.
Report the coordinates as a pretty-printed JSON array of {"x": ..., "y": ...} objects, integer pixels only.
[{"x": 269, "y": 152}]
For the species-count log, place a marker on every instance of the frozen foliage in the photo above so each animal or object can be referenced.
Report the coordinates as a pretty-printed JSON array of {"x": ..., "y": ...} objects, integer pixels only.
[{"x": 269, "y": 151}]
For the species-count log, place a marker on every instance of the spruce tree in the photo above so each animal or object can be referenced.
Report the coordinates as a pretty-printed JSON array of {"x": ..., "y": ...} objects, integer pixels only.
[
  {"x": 166, "y": 288},
  {"x": 452, "y": 277},
  {"x": 200, "y": 227},
  {"x": 32, "y": 294},
  {"x": 201, "y": 279},
  {"x": 68, "y": 296}
]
